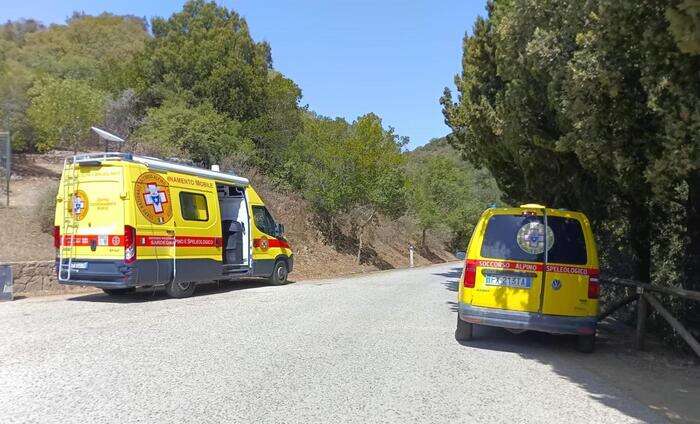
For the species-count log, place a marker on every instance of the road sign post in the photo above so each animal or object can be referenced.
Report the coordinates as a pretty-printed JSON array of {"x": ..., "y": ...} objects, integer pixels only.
[{"x": 6, "y": 163}]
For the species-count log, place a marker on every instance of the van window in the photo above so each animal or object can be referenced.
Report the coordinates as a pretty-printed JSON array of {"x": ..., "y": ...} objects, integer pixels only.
[
  {"x": 193, "y": 206},
  {"x": 520, "y": 238},
  {"x": 263, "y": 220}
]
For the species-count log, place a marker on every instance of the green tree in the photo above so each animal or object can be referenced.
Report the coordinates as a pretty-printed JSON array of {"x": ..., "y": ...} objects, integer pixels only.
[
  {"x": 200, "y": 133},
  {"x": 350, "y": 169},
  {"x": 96, "y": 49},
  {"x": 62, "y": 112},
  {"x": 444, "y": 192}
]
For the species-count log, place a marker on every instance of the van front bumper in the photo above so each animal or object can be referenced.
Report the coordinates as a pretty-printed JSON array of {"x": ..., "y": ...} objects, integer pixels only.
[{"x": 527, "y": 320}]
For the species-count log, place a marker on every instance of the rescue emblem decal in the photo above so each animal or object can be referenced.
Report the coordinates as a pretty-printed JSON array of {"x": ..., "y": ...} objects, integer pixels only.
[
  {"x": 152, "y": 194},
  {"x": 530, "y": 237},
  {"x": 78, "y": 205},
  {"x": 264, "y": 243}
]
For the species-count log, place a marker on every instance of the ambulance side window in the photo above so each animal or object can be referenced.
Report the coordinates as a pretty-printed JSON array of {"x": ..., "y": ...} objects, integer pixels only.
[
  {"x": 193, "y": 207},
  {"x": 263, "y": 220}
]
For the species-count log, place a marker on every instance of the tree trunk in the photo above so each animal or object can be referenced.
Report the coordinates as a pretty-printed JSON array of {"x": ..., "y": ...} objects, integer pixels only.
[
  {"x": 640, "y": 222},
  {"x": 359, "y": 247},
  {"x": 422, "y": 240},
  {"x": 692, "y": 263}
]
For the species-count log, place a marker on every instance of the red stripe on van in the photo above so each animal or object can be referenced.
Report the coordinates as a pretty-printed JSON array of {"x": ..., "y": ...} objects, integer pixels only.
[
  {"x": 87, "y": 240},
  {"x": 524, "y": 266},
  {"x": 118, "y": 240},
  {"x": 272, "y": 242},
  {"x": 180, "y": 241}
]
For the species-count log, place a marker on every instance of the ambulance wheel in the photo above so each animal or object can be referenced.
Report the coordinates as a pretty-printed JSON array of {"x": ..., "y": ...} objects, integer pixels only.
[
  {"x": 119, "y": 292},
  {"x": 464, "y": 331},
  {"x": 585, "y": 344},
  {"x": 279, "y": 274},
  {"x": 180, "y": 289}
]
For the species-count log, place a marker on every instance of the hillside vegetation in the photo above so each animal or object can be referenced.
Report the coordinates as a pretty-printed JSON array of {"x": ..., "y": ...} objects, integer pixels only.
[{"x": 195, "y": 85}]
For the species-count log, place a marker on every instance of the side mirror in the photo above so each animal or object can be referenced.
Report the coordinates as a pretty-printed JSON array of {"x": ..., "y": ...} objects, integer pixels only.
[
  {"x": 279, "y": 230},
  {"x": 460, "y": 255}
]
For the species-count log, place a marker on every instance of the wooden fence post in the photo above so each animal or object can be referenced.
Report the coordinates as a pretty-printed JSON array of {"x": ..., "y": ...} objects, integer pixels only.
[
  {"x": 674, "y": 323},
  {"x": 642, "y": 308}
]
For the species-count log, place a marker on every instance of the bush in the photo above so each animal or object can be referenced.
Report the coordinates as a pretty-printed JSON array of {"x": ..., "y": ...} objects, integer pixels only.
[{"x": 46, "y": 207}]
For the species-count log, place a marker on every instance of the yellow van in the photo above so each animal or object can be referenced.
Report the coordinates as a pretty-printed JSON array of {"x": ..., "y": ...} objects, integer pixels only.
[
  {"x": 124, "y": 221},
  {"x": 510, "y": 280}
]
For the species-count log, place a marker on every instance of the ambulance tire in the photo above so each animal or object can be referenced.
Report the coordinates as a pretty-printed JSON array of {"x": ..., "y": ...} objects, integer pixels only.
[
  {"x": 279, "y": 273},
  {"x": 585, "y": 344},
  {"x": 119, "y": 292},
  {"x": 180, "y": 289},
  {"x": 464, "y": 331}
]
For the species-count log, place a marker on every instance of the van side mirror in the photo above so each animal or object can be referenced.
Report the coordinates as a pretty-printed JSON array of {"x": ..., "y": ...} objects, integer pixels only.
[
  {"x": 279, "y": 230},
  {"x": 460, "y": 255}
]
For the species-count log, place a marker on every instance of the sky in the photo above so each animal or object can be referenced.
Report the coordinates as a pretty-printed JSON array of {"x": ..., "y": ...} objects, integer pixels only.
[{"x": 349, "y": 57}]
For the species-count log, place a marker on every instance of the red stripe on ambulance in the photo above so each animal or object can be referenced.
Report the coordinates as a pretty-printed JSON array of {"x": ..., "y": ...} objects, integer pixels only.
[
  {"x": 180, "y": 241},
  {"x": 152, "y": 241}
]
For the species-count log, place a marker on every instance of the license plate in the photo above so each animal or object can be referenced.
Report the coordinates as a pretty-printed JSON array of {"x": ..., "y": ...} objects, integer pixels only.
[
  {"x": 513, "y": 281},
  {"x": 78, "y": 265}
]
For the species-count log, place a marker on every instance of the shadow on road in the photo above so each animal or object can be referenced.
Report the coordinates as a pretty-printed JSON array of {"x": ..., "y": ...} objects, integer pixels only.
[
  {"x": 158, "y": 293},
  {"x": 668, "y": 391}
]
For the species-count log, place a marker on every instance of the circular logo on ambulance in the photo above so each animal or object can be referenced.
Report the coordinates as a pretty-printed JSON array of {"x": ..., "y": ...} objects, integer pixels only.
[
  {"x": 152, "y": 194},
  {"x": 530, "y": 237},
  {"x": 264, "y": 243},
  {"x": 78, "y": 205}
]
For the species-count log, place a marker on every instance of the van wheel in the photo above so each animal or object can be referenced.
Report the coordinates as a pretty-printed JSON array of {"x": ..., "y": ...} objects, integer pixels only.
[
  {"x": 180, "y": 289},
  {"x": 464, "y": 331},
  {"x": 585, "y": 344},
  {"x": 119, "y": 292},
  {"x": 279, "y": 274}
]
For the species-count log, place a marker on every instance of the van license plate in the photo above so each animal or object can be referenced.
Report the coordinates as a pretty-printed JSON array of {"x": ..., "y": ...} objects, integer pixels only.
[
  {"x": 509, "y": 281},
  {"x": 78, "y": 265}
]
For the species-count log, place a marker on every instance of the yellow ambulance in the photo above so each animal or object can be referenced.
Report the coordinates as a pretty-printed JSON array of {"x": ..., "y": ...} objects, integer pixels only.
[
  {"x": 511, "y": 280},
  {"x": 124, "y": 221}
]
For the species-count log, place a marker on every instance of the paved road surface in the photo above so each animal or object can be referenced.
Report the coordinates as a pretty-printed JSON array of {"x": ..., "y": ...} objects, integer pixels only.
[{"x": 375, "y": 348}]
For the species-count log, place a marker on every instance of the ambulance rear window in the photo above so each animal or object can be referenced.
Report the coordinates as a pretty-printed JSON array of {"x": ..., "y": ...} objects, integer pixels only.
[{"x": 521, "y": 238}]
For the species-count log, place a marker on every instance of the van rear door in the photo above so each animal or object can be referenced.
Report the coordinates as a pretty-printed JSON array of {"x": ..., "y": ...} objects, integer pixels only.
[
  {"x": 91, "y": 216},
  {"x": 569, "y": 267},
  {"x": 508, "y": 270}
]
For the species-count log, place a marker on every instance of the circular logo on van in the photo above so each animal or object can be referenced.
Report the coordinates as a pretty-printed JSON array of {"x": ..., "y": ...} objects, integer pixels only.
[
  {"x": 530, "y": 237},
  {"x": 264, "y": 243},
  {"x": 556, "y": 284},
  {"x": 78, "y": 205},
  {"x": 152, "y": 194}
]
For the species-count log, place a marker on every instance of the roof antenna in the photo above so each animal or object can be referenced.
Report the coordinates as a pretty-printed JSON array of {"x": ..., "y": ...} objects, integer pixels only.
[{"x": 107, "y": 137}]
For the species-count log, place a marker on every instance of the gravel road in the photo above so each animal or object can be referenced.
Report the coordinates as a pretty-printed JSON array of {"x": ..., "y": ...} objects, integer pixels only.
[{"x": 365, "y": 349}]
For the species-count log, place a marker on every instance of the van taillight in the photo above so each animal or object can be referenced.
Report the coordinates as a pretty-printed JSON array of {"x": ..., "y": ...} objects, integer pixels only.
[
  {"x": 469, "y": 274},
  {"x": 129, "y": 244},
  {"x": 57, "y": 237},
  {"x": 593, "y": 286}
]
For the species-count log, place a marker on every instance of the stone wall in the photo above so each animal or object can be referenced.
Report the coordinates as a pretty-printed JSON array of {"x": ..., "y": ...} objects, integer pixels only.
[{"x": 38, "y": 278}]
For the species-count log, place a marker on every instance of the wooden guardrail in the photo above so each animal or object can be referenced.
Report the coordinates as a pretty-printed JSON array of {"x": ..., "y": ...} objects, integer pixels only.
[{"x": 644, "y": 297}]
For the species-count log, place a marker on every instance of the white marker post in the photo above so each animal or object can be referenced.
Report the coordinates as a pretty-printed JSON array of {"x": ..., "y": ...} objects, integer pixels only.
[{"x": 410, "y": 255}]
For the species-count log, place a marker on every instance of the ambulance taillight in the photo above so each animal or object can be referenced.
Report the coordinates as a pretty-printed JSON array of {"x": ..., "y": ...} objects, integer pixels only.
[
  {"x": 57, "y": 237},
  {"x": 129, "y": 244}
]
